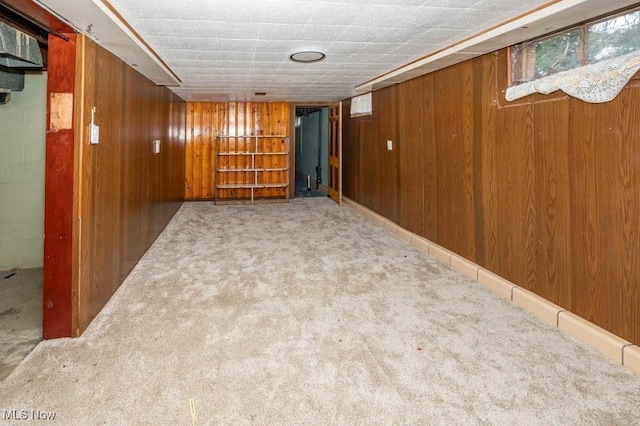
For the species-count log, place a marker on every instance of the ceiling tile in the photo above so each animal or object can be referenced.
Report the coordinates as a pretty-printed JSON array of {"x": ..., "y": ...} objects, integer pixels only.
[
  {"x": 322, "y": 32},
  {"x": 327, "y": 13},
  {"x": 279, "y": 31},
  {"x": 384, "y": 15}
]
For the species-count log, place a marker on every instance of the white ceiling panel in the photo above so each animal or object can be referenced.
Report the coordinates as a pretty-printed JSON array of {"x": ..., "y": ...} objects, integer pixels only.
[
  {"x": 438, "y": 36},
  {"x": 331, "y": 13},
  {"x": 383, "y": 16},
  {"x": 230, "y": 49}
]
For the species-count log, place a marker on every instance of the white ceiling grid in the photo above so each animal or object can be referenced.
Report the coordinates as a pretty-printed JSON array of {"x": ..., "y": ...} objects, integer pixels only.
[{"x": 228, "y": 50}]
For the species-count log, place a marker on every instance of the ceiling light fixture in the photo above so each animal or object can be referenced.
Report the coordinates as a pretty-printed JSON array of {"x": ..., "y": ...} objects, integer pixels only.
[{"x": 307, "y": 56}]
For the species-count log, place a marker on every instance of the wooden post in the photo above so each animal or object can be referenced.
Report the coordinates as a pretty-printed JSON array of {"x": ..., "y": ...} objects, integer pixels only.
[{"x": 59, "y": 188}]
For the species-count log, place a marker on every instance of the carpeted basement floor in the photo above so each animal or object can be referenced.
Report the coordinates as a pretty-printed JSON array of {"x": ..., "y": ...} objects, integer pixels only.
[{"x": 306, "y": 313}]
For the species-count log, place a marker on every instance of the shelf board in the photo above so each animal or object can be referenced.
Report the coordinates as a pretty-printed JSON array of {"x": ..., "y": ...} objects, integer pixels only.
[
  {"x": 249, "y": 169},
  {"x": 232, "y": 153},
  {"x": 250, "y": 185},
  {"x": 252, "y": 136},
  {"x": 236, "y": 153}
]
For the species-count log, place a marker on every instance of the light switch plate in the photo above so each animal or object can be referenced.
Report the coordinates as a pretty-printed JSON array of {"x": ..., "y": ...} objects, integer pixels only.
[
  {"x": 95, "y": 134},
  {"x": 389, "y": 145}
]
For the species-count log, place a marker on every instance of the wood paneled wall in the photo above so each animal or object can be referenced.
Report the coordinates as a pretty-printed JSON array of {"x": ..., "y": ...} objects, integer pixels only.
[
  {"x": 542, "y": 191},
  {"x": 125, "y": 194},
  {"x": 206, "y": 120}
]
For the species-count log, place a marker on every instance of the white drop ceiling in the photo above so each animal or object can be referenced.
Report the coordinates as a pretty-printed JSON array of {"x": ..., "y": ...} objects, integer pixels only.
[{"x": 231, "y": 49}]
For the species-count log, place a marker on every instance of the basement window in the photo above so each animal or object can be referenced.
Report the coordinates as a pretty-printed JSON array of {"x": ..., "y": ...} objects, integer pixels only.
[
  {"x": 592, "y": 62},
  {"x": 590, "y": 43},
  {"x": 361, "y": 105}
]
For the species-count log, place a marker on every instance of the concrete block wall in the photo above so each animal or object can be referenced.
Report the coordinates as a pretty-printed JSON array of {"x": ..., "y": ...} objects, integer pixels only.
[{"x": 22, "y": 161}]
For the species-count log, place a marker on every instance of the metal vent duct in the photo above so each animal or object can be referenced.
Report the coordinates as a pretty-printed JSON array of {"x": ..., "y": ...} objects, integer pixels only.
[
  {"x": 5, "y": 96},
  {"x": 11, "y": 79},
  {"x": 17, "y": 49}
]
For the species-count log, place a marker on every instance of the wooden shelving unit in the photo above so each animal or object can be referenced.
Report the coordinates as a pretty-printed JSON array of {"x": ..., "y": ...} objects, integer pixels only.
[{"x": 250, "y": 169}]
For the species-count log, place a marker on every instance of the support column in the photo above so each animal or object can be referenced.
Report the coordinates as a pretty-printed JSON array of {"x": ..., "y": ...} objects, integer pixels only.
[{"x": 59, "y": 188}]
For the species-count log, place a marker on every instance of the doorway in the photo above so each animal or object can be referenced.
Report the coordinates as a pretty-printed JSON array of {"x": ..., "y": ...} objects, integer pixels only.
[
  {"x": 311, "y": 151},
  {"x": 22, "y": 165},
  {"x": 23, "y": 131}
]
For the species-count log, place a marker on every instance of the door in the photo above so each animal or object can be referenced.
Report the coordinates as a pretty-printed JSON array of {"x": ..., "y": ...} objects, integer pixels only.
[{"x": 335, "y": 152}]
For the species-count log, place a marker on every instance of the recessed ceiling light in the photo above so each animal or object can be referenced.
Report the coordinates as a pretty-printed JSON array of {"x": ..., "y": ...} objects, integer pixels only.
[{"x": 307, "y": 56}]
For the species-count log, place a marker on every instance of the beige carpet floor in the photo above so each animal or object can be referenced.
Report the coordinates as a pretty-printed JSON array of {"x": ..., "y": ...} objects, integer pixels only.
[{"x": 306, "y": 313}]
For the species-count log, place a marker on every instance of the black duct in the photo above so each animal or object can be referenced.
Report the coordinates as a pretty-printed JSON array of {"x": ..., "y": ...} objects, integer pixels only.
[
  {"x": 11, "y": 79},
  {"x": 18, "y": 50}
]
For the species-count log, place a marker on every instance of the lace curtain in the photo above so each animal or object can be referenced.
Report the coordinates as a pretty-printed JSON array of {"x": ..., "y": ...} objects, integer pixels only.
[{"x": 595, "y": 83}]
